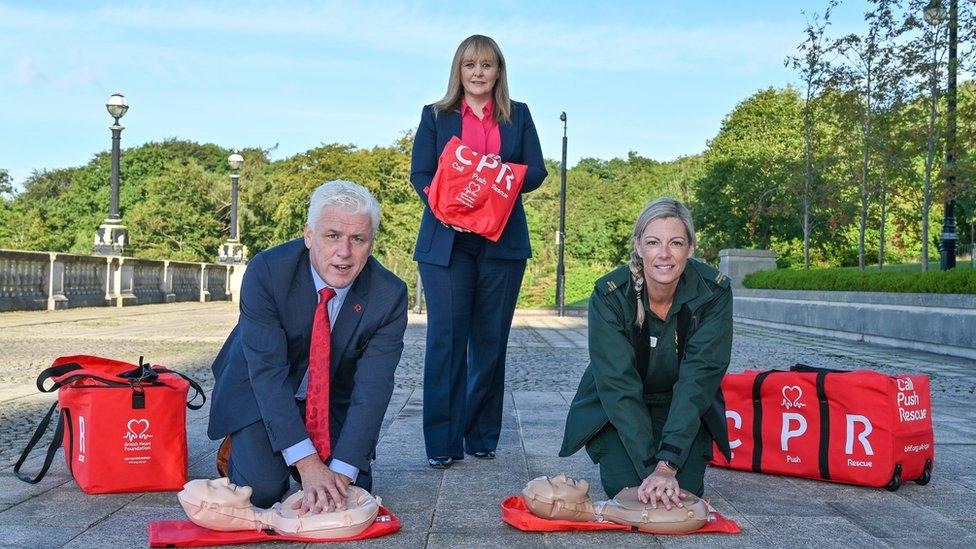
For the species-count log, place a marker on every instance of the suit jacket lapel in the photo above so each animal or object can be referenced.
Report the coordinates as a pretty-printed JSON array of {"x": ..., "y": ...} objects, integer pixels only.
[
  {"x": 452, "y": 126},
  {"x": 349, "y": 315},
  {"x": 507, "y": 134},
  {"x": 303, "y": 297}
]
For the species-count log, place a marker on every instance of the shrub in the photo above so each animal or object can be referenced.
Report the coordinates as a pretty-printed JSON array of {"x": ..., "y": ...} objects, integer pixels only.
[{"x": 957, "y": 281}]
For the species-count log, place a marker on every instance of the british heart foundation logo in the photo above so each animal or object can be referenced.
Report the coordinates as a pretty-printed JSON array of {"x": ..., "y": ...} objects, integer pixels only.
[
  {"x": 791, "y": 397},
  {"x": 138, "y": 429}
]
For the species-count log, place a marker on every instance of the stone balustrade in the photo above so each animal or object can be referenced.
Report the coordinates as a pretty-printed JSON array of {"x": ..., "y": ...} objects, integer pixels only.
[{"x": 48, "y": 281}]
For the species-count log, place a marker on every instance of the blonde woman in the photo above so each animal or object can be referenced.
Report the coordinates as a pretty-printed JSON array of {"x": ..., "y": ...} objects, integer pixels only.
[
  {"x": 649, "y": 404},
  {"x": 471, "y": 284}
]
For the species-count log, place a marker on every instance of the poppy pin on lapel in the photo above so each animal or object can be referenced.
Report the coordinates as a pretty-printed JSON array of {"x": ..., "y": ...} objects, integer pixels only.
[{"x": 358, "y": 308}]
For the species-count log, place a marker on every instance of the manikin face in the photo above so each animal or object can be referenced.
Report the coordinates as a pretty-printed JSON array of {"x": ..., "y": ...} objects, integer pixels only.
[
  {"x": 339, "y": 244},
  {"x": 570, "y": 487},
  {"x": 227, "y": 493},
  {"x": 478, "y": 76},
  {"x": 665, "y": 249}
]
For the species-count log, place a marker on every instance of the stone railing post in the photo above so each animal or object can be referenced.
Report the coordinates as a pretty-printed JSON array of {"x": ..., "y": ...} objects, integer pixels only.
[
  {"x": 235, "y": 277},
  {"x": 111, "y": 284},
  {"x": 167, "y": 286},
  {"x": 126, "y": 283},
  {"x": 55, "y": 284},
  {"x": 204, "y": 294},
  {"x": 737, "y": 263}
]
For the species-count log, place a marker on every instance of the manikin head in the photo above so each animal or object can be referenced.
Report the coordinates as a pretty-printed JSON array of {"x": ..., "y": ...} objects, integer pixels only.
[
  {"x": 227, "y": 493},
  {"x": 221, "y": 505},
  {"x": 563, "y": 498}
]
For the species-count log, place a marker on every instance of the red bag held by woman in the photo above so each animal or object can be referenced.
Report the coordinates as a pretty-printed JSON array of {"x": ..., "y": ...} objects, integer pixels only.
[
  {"x": 122, "y": 426},
  {"x": 474, "y": 191}
]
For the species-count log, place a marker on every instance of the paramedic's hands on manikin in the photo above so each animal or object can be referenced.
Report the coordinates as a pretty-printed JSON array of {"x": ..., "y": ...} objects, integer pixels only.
[{"x": 661, "y": 486}]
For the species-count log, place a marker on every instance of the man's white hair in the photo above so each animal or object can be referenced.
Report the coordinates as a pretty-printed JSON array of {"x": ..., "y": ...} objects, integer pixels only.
[{"x": 349, "y": 196}]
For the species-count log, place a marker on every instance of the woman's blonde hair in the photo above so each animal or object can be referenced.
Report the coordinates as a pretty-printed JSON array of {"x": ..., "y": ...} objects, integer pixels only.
[
  {"x": 478, "y": 47},
  {"x": 661, "y": 208}
]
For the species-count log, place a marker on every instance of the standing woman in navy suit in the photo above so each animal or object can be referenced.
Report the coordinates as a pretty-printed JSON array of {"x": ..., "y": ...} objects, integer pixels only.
[{"x": 471, "y": 284}]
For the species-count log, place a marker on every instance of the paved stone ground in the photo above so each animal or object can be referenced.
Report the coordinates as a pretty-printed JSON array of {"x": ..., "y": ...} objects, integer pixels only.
[{"x": 459, "y": 507}]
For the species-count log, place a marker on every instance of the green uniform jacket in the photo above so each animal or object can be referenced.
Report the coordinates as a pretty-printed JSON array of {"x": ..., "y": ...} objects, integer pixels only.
[{"x": 612, "y": 391}]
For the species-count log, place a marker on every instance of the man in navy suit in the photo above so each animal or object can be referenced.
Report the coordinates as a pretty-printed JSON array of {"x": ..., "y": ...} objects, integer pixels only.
[{"x": 261, "y": 372}]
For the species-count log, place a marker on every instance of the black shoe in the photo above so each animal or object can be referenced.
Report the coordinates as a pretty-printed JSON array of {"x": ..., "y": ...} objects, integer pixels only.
[
  {"x": 488, "y": 454},
  {"x": 442, "y": 462}
]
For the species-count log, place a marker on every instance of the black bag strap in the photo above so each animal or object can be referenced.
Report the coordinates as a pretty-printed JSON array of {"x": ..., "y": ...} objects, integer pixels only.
[
  {"x": 198, "y": 391},
  {"x": 55, "y": 371},
  {"x": 51, "y": 450},
  {"x": 823, "y": 450},
  {"x": 805, "y": 369},
  {"x": 757, "y": 418}
]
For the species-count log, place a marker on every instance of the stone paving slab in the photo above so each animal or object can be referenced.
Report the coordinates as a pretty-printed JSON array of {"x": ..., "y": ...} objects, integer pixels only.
[{"x": 459, "y": 507}]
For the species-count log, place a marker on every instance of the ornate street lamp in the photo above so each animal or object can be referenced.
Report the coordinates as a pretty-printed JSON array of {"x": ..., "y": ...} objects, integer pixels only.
[
  {"x": 233, "y": 252},
  {"x": 111, "y": 237},
  {"x": 935, "y": 14}
]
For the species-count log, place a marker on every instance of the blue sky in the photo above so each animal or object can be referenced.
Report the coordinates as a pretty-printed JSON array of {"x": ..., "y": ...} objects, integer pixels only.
[{"x": 652, "y": 77}]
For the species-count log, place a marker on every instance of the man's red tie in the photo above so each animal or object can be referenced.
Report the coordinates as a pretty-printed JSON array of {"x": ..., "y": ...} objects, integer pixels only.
[{"x": 317, "y": 396}]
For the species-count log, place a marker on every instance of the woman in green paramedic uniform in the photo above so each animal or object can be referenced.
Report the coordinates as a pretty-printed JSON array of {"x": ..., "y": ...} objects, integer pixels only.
[{"x": 660, "y": 335}]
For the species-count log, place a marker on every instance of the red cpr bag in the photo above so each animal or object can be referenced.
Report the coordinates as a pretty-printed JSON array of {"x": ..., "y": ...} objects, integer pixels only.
[
  {"x": 474, "y": 191},
  {"x": 122, "y": 426},
  {"x": 855, "y": 427}
]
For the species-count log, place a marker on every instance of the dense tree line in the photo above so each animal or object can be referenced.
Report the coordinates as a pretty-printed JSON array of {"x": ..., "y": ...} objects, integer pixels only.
[{"x": 845, "y": 169}]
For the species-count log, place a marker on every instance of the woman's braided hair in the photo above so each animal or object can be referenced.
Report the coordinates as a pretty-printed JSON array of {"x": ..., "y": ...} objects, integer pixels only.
[{"x": 661, "y": 208}]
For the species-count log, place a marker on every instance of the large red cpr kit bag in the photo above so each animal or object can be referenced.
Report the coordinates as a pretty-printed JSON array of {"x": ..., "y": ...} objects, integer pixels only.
[
  {"x": 122, "y": 426},
  {"x": 856, "y": 427},
  {"x": 474, "y": 191}
]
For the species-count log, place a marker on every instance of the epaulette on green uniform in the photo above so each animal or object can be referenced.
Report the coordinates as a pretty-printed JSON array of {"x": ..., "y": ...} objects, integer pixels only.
[
  {"x": 710, "y": 274},
  {"x": 614, "y": 280}
]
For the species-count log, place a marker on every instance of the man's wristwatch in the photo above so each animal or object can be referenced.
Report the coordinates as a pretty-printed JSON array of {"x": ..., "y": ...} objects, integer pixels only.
[{"x": 669, "y": 465}]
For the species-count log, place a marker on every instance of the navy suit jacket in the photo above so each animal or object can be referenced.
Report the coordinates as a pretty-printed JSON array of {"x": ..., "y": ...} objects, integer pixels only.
[
  {"x": 264, "y": 359},
  {"x": 519, "y": 144}
]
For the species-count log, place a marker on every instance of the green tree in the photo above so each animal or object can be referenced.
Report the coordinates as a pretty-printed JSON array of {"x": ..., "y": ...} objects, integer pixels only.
[{"x": 753, "y": 169}]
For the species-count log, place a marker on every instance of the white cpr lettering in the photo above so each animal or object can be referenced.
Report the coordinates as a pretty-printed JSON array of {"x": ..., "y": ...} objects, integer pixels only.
[
  {"x": 508, "y": 173},
  {"x": 862, "y": 438},
  {"x": 460, "y": 157},
  {"x": 788, "y": 433},
  {"x": 736, "y": 418},
  {"x": 487, "y": 162},
  {"x": 81, "y": 435}
]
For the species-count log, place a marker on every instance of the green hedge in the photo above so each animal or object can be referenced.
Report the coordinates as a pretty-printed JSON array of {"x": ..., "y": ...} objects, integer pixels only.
[{"x": 956, "y": 281}]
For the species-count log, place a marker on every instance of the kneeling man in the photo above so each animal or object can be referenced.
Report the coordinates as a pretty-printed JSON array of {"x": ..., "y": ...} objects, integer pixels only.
[{"x": 305, "y": 377}]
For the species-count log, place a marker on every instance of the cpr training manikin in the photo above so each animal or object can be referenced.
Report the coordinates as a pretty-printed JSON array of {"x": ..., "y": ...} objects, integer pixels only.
[
  {"x": 563, "y": 498},
  {"x": 221, "y": 505}
]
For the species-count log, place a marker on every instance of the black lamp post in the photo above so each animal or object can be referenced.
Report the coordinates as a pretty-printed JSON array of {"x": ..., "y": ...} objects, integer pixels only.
[
  {"x": 233, "y": 251},
  {"x": 235, "y": 161},
  {"x": 112, "y": 236},
  {"x": 561, "y": 235},
  {"x": 935, "y": 14}
]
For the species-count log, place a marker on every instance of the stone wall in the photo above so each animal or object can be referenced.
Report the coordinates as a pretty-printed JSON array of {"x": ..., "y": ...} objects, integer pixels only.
[
  {"x": 48, "y": 281},
  {"x": 937, "y": 323}
]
